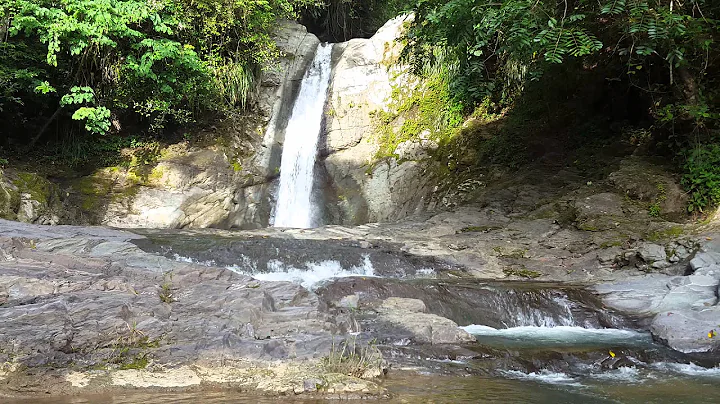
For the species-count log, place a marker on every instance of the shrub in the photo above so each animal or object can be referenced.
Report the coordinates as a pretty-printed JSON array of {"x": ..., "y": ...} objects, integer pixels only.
[
  {"x": 349, "y": 359},
  {"x": 702, "y": 176}
]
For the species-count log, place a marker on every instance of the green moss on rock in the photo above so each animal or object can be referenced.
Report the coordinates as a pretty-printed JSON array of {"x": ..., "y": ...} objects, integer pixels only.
[
  {"x": 93, "y": 190},
  {"x": 665, "y": 234},
  {"x": 9, "y": 202},
  {"x": 37, "y": 186},
  {"x": 521, "y": 272},
  {"x": 428, "y": 109}
]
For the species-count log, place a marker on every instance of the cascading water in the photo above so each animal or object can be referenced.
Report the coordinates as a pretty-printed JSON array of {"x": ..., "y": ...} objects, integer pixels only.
[{"x": 294, "y": 203}]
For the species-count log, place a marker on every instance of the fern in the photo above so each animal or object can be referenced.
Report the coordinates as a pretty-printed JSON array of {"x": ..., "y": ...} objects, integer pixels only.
[{"x": 614, "y": 7}]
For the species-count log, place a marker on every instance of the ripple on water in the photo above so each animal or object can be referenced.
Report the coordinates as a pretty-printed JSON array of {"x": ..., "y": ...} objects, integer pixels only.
[{"x": 532, "y": 336}]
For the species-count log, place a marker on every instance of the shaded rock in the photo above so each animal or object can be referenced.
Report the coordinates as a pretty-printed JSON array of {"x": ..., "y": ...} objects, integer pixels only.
[
  {"x": 641, "y": 180},
  {"x": 598, "y": 212},
  {"x": 29, "y": 198}
]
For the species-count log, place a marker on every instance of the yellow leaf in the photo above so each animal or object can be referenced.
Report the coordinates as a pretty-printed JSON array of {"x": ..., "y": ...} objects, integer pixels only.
[{"x": 612, "y": 354}]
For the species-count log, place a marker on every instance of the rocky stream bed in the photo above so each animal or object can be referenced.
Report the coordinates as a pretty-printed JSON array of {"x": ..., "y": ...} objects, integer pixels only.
[{"x": 97, "y": 310}]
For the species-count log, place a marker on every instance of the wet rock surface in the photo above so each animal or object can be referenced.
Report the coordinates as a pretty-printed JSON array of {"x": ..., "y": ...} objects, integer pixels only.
[
  {"x": 84, "y": 307},
  {"x": 157, "y": 301},
  {"x": 256, "y": 253},
  {"x": 87, "y": 298}
]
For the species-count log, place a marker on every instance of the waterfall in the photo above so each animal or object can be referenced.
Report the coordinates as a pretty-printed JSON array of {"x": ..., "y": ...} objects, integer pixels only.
[{"x": 294, "y": 204}]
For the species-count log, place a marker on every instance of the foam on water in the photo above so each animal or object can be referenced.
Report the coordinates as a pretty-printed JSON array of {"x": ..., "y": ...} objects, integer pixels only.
[
  {"x": 624, "y": 374},
  {"x": 543, "y": 376},
  {"x": 180, "y": 258},
  {"x": 310, "y": 277},
  {"x": 688, "y": 369}
]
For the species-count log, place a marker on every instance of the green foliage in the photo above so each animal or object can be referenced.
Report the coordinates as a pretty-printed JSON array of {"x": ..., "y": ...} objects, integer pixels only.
[
  {"x": 654, "y": 210},
  {"x": 499, "y": 45},
  {"x": 664, "y": 54},
  {"x": 702, "y": 176},
  {"x": 165, "y": 293},
  {"x": 97, "y": 120},
  {"x": 152, "y": 65},
  {"x": 234, "y": 82}
]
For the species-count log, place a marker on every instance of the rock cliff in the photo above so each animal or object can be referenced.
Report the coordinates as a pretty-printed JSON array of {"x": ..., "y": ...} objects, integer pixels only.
[{"x": 359, "y": 188}]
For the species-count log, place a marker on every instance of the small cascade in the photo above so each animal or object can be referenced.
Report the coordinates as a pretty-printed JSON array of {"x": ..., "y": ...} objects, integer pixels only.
[{"x": 294, "y": 201}]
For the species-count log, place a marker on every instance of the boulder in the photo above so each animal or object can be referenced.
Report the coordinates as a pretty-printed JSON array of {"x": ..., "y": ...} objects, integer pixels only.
[
  {"x": 29, "y": 198},
  {"x": 409, "y": 314},
  {"x": 684, "y": 309},
  {"x": 688, "y": 330},
  {"x": 641, "y": 180},
  {"x": 599, "y": 212},
  {"x": 647, "y": 296}
]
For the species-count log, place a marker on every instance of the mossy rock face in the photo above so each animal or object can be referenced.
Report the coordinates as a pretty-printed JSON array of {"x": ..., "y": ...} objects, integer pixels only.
[
  {"x": 9, "y": 201},
  {"x": 93, "y": 194},
  {"x": 37, "y": 186},
  {"x": 93, "y": 191},
  {"x": 30, "y": 197}
]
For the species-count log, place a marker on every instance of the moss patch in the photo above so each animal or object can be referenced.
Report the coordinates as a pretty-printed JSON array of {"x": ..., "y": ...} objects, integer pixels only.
[
  {"x": 37, "y": 186},
  {"x": 93, "y": 191},
  {"x": 510, "y": 253},
  {"x": 138, "y": 362},
  {"x": 9, "y": 202},
  {"x": 427, "y": 109},
  {"x": 610, "y": 244},
  {"x": 521, "y": 272},
  {"x": 665, "y": 234}
]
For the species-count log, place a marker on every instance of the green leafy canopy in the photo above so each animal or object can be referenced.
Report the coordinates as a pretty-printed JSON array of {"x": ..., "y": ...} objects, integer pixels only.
[{"x": 163, "y": 62}]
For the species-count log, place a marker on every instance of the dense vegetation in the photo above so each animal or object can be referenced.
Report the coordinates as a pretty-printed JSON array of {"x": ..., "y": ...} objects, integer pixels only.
[
  {"x": 74, "y": 71},
  {"x": 661, "y": 57},
  {"x": 84, "y": 78}
]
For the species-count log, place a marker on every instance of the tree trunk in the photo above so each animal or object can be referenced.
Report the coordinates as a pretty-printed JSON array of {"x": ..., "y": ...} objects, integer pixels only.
[
  {"x": 44, "y": 128},
  {"x": 689, "y": 86}
]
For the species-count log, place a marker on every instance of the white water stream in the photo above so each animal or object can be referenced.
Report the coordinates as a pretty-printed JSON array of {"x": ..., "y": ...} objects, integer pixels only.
[{"x": 294, "y": 202}]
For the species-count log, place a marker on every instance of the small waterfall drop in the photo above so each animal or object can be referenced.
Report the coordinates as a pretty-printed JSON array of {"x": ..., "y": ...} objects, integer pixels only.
[{"x": 294, "y": 203}]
